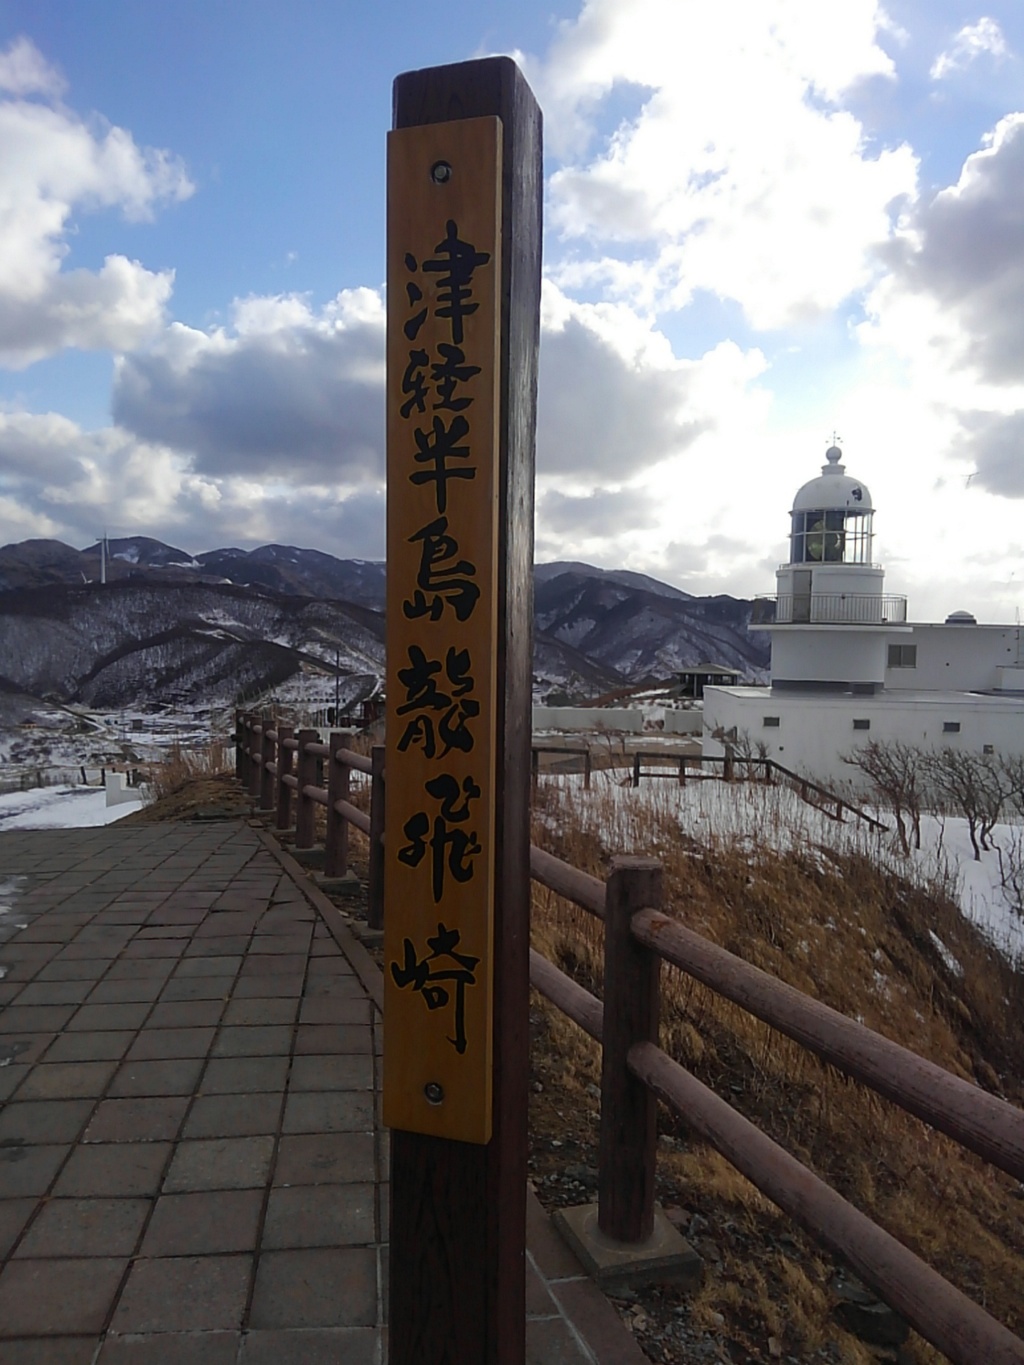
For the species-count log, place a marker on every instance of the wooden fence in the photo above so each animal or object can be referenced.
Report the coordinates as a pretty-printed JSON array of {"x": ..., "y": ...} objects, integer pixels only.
[{"x": 635, "y": 1071}]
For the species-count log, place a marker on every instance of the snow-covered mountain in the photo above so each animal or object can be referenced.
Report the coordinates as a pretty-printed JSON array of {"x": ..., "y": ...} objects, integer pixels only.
[{"x": 168, "y": 626}]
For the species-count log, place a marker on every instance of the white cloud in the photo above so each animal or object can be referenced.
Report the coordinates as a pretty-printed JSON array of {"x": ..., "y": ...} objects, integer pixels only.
[
  {"x": 973, "y": 41},
  {"x": 740, "y": 174},
  {"x": 285, "y": 391},
  {"x": 54, "y": 165}
]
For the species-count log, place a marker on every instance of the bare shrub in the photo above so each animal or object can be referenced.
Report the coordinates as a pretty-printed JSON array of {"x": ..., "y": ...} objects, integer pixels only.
[
  {"x": 972, "y": 785},
  {"x": 896, "y": 772}
]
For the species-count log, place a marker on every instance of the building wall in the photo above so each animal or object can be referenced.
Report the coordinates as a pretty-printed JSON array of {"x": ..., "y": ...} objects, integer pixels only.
[
  {"x": 576, "y": 718},
  {"x": 845, "y": 654},
  {"x": 814, "y": 731},
  {"x": 957, "y": 657}
]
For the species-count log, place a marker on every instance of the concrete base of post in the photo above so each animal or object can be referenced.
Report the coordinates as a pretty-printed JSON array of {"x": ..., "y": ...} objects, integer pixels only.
[
  {"x": 348, "y": 883},
  {"x": 666, "y": 1257},
  {"x": 309, "y": 857}
]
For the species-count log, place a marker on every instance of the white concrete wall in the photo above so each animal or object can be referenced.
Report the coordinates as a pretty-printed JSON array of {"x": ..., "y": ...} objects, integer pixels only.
[
  {"x": 576, "y": 718},
  {"x": 859, "y": 579},
  {"x": 118, "y": 791},
  {"x": 956, "y": 657},
  {"x": 814, "y": 731},
  {"x": 683, "y": 722},
  {"x": 845, "y": 654}
]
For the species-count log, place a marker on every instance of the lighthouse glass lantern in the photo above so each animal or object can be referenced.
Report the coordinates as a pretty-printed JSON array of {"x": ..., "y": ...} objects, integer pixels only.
[{"x": 831, "y": 519}]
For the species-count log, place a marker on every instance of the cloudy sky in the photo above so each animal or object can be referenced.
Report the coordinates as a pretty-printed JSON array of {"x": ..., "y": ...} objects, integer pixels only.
[{"x": 766, "y": 220}]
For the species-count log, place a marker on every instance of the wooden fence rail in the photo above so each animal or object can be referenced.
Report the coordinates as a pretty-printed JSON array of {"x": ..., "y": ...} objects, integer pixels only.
[{"x": 635, "y": 1071}]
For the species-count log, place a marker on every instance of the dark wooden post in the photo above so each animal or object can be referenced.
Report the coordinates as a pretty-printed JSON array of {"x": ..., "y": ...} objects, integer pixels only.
[
  {"x": 727, "y": 763},
  {"x": 305, "y": 810},
  {"x": 534, "y": 768},
  {"x": 375, "y": 870},
  {"x": 255, "y": 750},
  {"x": 682, "y": 771},
  {"x": 267, "y": 744},
  {"x": 238, "y": 748},
  {"x": 458, "y": 1209},
  {"x": 627, "y": 1146},
  {"x": 587, "y": 763},
  {"x": 285, "y": 768},
  {"x": 336, "y": 838},
  {"x": 637, "y": 759}
]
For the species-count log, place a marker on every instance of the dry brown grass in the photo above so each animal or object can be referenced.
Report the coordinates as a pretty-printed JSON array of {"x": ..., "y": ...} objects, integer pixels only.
[{"x": 843, "y": 926}]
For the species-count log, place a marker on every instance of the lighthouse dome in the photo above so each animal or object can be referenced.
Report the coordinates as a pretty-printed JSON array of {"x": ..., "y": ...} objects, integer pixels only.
[{"x": 833, "y": 489}]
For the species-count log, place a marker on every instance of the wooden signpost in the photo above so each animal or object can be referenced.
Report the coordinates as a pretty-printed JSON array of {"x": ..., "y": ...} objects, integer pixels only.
[{"x": 464, "y": 196}]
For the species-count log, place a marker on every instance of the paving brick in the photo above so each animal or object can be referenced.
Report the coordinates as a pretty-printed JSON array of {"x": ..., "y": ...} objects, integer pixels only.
[
  {"x": 14, "y": 1214},
  {"x": 91, "y": 1047},
  {"x": 10, "y": 1078},
  {"x": 28, "y": 1168},
  {"x": 552, "y": 1341},
  {"x": 269, "y": 964},
  {"x": 137, "y": 1120},
  {"x": 54, "y": 1297},
  {"x": 294, "y": 947},
  {"x": 226, "y": 945},
  {"x": 44, "y": 1120},
  {"x": 54, "y": 993},
  {"x": 34, "y": 1018},
  {"x": 320, "y": 1216},
  {"x": 335, "y": 988},
  {"x": 324, "y": 1159},
  {"x": 213, "y": 965},
  {"x": 85, "y": 1227},
  {"x": 225, "y": 923},
  {"x": 220, "y": 1164},
  {"x": 49, "y": 1351},
  {"x": 136, "y": 967},
  {"x": 597, "y": 1322},
  {"x": 243, "y": 1075},
  {"x": 155, "y": 1044},
  {"x": 325, "y": 1010},
  {"x": 77, "y": 969},
  {"x": 260, "y": 1040},
  {"x": 268, "y": 986},
  {"x": 198, "y": 1293},
  {"x": 204, "y": 1223},
  {"x": 198, "y": 988},
  {"x": 121, "y": 991},
  {"x": 233, "y": 1115},
  {"x": 326, "y": 1113},
  {"x": 66, "y": 1080},
  {"x": 185, "y": 1014},
  {"x": 171, "y": 1348},
  {"x": 114, "y": 1169},
  {"x": 156, "y": 947},
  {"x": 333, "y": 964},
  {"x": 312, "y": 1346},
  {"x": 108, "y": 1017},
  {"x": 337, "y": 1072},
  {"x": 174, "y": 1076},
  {"x": 318, "y": 1039},
  {"x": 23, "y": 1051},
  {"x": 334, "y": 1287},
  {"x": 259, "y": 1011}
]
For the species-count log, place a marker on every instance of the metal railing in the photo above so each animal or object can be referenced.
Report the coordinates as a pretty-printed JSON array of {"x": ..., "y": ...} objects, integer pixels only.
[
  {"x": 829, "y": 608},
  {"x": 635, "y": 1070}
]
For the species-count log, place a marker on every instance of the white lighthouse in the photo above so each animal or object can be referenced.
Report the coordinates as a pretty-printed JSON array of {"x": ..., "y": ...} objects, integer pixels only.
[
  {"x": 846, "y": 665},
  {"x": 832, "y": 620}
]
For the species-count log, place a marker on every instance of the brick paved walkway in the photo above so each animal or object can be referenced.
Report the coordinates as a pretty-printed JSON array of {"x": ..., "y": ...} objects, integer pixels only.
[{"x": 191, "y": 1163}]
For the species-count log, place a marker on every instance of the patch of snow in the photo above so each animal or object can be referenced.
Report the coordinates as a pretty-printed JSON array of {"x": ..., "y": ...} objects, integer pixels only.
[
  {"x": 945, "y": 954},
  {"x": 62, "y": 807}
]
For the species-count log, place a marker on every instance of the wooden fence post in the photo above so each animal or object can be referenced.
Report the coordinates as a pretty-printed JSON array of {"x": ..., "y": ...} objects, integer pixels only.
[
  {"x": 238, "y": 748},
  {"x": 627, "y": 1146},
  {"x": 267, "y": 744},
  {"x": 336, "y": 838},
  {"x": 255, "y": 750},
  {"x": 586, "y": 769},
  {"x": 305, "y": 810},
  {"x": 727, "y": 763},
  {"x": 285, "y": 768},
  {"x": 534, "y": 768},
  {"x": 637, "y": 759},
  {"x": 375, "y": 871}
]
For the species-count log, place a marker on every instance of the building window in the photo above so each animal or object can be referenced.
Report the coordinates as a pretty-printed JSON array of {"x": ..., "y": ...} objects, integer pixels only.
[
  {"x": 950, "y": 727},
  {"x": 862, "y": 725},
  {"x": 771, "y": 722},
  {"x": 903, "y": 656}
]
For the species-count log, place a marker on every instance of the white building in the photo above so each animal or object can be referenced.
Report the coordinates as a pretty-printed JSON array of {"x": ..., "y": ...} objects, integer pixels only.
[{"x": 846, "y": 664}]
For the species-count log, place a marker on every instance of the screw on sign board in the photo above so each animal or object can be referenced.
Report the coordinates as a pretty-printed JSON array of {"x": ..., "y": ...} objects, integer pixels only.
[{"x": 444, "y": 290}]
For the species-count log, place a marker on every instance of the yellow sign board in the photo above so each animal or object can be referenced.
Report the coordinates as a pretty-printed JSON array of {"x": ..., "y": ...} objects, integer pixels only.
[{"x": 444, "y": 290}]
